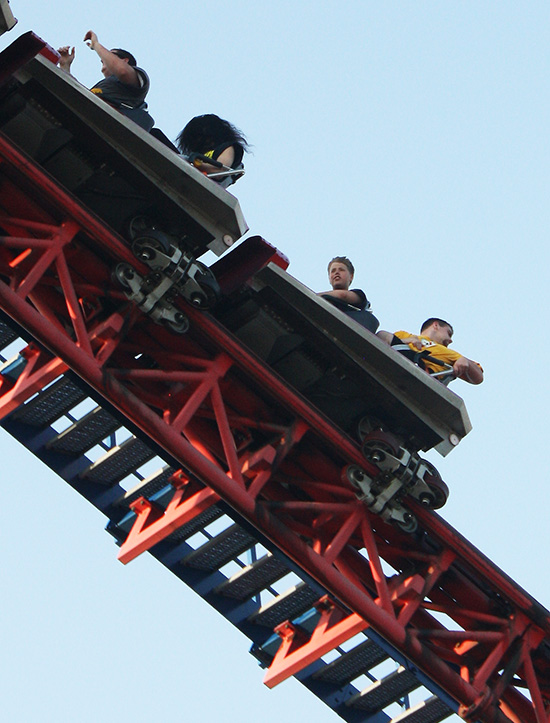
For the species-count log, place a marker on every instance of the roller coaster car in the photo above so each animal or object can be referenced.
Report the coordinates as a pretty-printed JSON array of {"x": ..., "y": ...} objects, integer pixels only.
[
  {"x": 107, "y": 161},
  {"x": 345, "y": 370}
]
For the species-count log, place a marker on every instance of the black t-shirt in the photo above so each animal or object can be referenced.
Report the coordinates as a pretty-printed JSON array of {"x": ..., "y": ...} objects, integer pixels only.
[
  {"x": 364, "y": 302},
  {"x": 117, "y": 93},
  {"x": 363, "y": 305}
]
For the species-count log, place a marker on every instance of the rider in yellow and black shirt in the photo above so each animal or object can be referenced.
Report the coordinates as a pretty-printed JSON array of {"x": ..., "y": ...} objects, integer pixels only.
[{"x": 435, "y": 337}]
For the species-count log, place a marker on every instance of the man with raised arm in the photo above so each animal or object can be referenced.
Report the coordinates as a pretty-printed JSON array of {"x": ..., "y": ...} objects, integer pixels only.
[
  {"x": 435, "y": 337},
  {"x": 124, "y": 86}
]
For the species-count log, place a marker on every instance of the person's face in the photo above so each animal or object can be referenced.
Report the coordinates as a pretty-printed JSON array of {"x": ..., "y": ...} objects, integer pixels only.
[
  {"x": 441, "y": 334},
  {"x": 339, "y": 276},
  {"x": 104, "y": 70}
]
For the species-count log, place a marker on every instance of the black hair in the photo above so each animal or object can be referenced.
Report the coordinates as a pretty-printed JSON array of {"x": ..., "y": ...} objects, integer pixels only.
[
  {"x": 342, "y": 260},
  {"x": 430, "y": 321},
  {"x": 207, "y": 132},
  {"x": 124, "y": 54}
]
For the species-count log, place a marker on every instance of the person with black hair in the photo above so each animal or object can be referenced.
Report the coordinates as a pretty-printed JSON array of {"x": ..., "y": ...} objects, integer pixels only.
[
  {"x": 435, "y": 337},
  {"x": 124, "y": 86},
  {"x": 209, "y": 136}
]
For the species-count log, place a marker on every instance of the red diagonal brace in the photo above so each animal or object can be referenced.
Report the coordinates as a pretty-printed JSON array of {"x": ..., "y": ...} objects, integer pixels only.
[
  {"x": 152, "y": 526},
  {"x": 41, "y": 369},
  {"x": 259, "y": 468},
  {"x": 333, "y": 628}
]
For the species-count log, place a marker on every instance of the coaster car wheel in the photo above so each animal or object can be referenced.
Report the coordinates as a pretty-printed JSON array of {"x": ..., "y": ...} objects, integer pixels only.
[
  {"x": 409, "y": 523},
  {"x": 354, "y": 474},
  {"x": 368, "y": 424},
  {"x": 179, "y": 324},
  {"x": 377, "y": 445},
  {"x": 209, "y": 292},
  {"x": 138, "y": 225},
  {"x": 146, "y": 250},
  {"x": 124, "y": 273},
  {"x": 438, "y": 488},
  {"x": 146, "y": 237}
]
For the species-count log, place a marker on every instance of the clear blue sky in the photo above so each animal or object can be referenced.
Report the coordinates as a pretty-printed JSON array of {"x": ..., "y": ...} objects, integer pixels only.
[{"x": 410, "y": 136}]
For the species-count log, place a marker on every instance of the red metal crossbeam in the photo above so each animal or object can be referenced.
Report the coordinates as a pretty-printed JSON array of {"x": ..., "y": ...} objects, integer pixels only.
[
  {"x": 297, "y": 651},
  {"x": 153, "y": 525},
  {"x": 40, "y": 369},
  {"x": 239, "y": 431}
]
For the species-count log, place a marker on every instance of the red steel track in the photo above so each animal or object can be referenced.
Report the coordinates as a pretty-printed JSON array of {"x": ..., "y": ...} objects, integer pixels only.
[{"x": 241, "y": 434}]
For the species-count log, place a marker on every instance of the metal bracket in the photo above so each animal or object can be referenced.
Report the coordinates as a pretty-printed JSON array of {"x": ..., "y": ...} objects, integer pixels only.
[
  {"x": 189, "y": 277},
  {"x": 149, "y": 295},
  {"x": 174, "y": 273},
  {"x": 407, "y": 474}
]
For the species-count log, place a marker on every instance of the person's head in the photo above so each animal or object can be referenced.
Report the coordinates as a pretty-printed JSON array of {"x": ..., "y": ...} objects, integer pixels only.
[
  {"x": 206, "y": 132},
  {"x": 340, "y": 272},
  {"x": 123, "y": 55},
  {"x": 438, "y": 330}
]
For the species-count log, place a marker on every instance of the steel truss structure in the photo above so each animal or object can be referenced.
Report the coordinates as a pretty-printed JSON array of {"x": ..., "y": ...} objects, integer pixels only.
[{"x": 238, "y": 438}]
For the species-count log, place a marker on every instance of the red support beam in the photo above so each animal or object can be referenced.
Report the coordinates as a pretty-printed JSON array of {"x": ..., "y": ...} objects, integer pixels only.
[
  {"x": 176, "y": 445},
  {"x": 297, "y": 651},
  {"x": 205, "y": 386},
  {"x": 152, "y": 526}
]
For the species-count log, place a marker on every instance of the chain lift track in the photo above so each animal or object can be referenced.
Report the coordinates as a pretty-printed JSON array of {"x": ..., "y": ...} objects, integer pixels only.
[{"x": 199, "y": 452}]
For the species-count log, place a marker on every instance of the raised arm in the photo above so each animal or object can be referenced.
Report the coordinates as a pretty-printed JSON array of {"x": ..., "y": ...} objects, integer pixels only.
[
  {"x": 112, "y": 64},
  {"x": 66, "y": 58}
]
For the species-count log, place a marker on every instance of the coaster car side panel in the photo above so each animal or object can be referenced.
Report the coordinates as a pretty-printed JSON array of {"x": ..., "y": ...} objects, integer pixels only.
[{"x": 7, "y": 21}]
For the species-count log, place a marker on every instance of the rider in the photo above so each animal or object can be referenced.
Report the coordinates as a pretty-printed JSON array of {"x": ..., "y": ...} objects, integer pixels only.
[
  {"x": 209, "y": 136},
  {"x": 124, "y": 85},
  {"x": 435, "y": 337},
  {"x": 340, "y": 276}
]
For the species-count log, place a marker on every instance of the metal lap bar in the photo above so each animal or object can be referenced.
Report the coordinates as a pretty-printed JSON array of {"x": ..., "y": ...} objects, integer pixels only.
[{"x": 223, "y": 174}]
